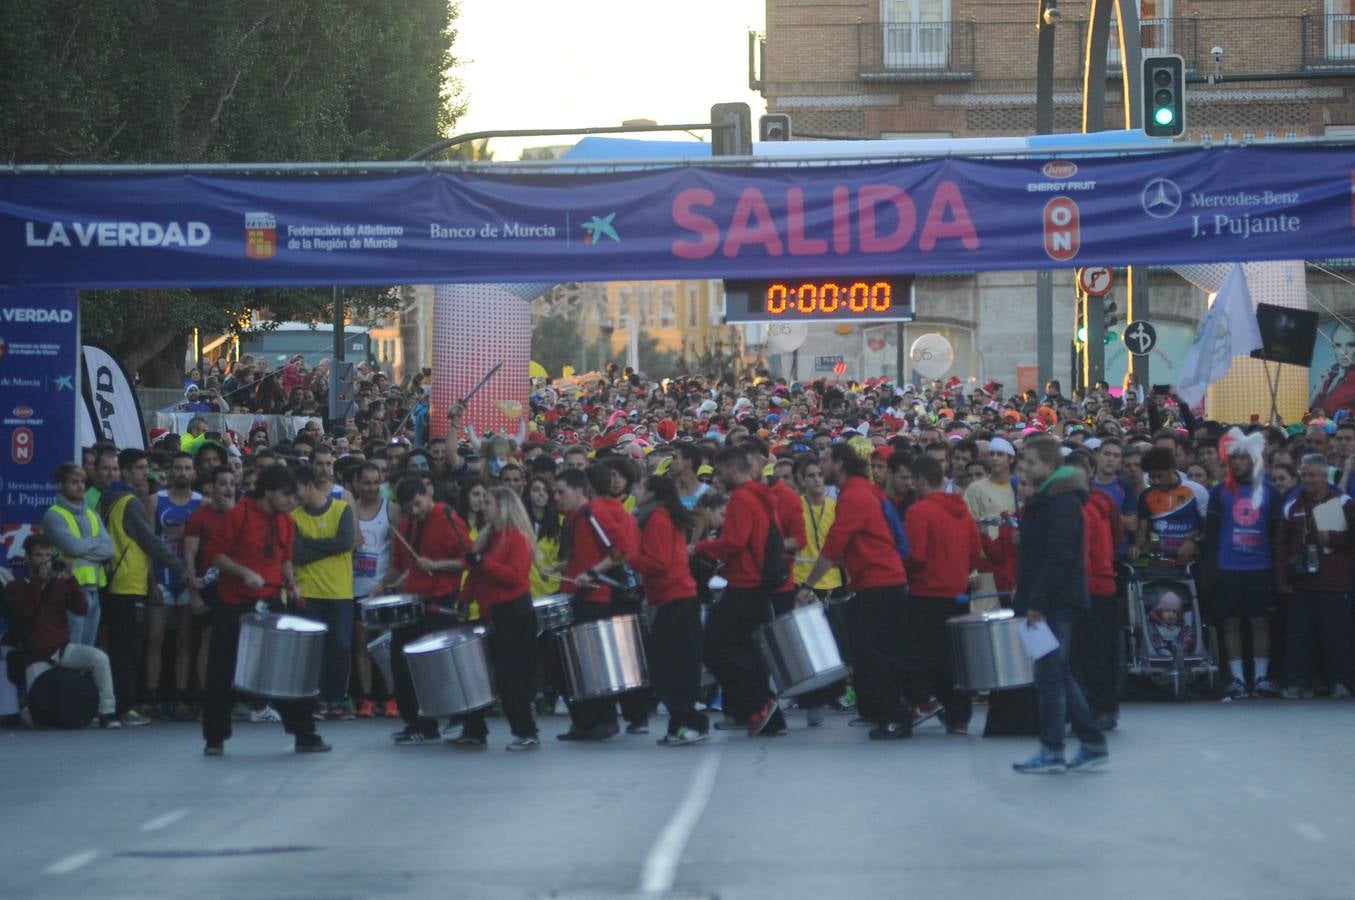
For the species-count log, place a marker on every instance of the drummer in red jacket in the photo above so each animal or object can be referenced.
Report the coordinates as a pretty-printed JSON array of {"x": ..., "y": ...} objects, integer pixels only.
[
  {"x": 1095, "y": 652},
  {"x": 675, "y": 640},
  {"x": 254, "y": 557},
  {"x": 945, "y": 551},
  {"x": 730, "y": 650},
  {"x": 600, "y": 536},
  {"x": 432, "y": 571},
  {"x": 501, "y": 583},
  {"x": 862, "y": 542}
]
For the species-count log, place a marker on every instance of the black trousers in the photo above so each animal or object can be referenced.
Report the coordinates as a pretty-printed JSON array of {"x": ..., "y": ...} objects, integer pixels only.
[
  {"x": 931, "y": 647},
  {"x": 885, "y": 673},
  {"x": 125, "y": 617},
  {"x": 405, "y": 697},
  {"x": 512, "y": 650},
  {"x": 731, "y": 651},
  {"x": 675, "y": 662},
  {"x": 221, "y": 653},
  {"x": 1096, "y": 655}
]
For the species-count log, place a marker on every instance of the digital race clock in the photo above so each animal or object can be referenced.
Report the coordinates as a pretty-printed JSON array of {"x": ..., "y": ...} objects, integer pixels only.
[{"x": 837, "y": 299}]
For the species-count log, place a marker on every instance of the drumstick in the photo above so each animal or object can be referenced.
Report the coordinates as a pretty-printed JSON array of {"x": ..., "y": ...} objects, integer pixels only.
[{"x": 412, "y": 552}]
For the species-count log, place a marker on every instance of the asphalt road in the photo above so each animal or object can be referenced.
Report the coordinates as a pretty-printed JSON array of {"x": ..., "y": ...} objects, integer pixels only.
[{"x": 1244, "y": 800}]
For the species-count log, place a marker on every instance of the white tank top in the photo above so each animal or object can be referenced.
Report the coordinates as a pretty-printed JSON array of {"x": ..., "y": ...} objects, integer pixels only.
[{"x": 371, "y": 560}]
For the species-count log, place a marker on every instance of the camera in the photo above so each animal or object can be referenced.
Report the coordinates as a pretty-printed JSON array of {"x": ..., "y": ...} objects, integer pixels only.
[{"x": 1217, "y": 53}]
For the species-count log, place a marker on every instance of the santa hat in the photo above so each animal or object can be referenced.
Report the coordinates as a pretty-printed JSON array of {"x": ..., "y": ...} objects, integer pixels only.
[{"x": 666, "y": 429}]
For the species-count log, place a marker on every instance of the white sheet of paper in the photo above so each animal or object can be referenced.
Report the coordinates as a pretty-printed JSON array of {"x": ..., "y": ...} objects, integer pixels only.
[
  {"x": 1039, "y": 639},
  {"x": 1330, "y": 516}
]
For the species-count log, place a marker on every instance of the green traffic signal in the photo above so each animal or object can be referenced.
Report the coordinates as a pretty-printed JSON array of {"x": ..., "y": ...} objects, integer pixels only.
[
  {"x": 1082, "y": 335},
  {"x": 1110, "y": 336},
  {"x": 1164, "y": 116}
]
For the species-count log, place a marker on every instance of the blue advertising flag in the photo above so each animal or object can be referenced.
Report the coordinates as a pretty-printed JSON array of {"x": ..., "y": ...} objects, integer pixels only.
[
  {"x": 39, "y": 389},
  {"x": 447, "y": 225}
]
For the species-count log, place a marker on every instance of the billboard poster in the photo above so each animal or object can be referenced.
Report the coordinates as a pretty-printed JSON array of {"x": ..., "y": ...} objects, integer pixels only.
[
  {"x": 1331, "y": 378},
  {"x": 39, "y": 389}
]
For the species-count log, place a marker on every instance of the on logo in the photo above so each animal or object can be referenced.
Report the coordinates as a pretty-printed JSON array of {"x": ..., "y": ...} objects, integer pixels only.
[
  {"x": 1062, "y": 229},
  {"x": 21, "y": 446}
]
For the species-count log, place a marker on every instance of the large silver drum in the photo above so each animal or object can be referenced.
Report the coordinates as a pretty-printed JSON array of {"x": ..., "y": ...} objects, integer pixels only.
[
  {"x": 800, "y": 652},
  {"x": 450, "y": 671},
  {"x": 391, "y": 611},
  {"x": 603, "y": 658},
  {"x": 987, "y": 651},
  {"x": 380, "y": 652},
  {"x": 553, "y": 612},
  {"x": 279, "y": 656}
]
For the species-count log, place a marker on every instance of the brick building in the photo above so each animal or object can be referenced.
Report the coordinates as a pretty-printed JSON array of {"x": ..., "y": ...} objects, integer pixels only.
[{"x": 966, "y": 68}]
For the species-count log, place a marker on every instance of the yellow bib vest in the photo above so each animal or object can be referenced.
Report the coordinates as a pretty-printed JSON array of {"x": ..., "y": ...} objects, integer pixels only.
[
  {"x": 132, "y": 567},
  {"x": 330, "y": 578},
  {"x": 86, "y": 573}
]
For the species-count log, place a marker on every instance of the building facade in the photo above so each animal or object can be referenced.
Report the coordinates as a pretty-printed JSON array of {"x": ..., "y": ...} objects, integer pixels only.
[{"x": 1256, "y": 70}]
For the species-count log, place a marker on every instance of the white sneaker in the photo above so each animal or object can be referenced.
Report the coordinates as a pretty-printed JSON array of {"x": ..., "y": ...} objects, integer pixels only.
[
  {"x": 814, "y": 716},
  {"x": 267, "y": 714}
]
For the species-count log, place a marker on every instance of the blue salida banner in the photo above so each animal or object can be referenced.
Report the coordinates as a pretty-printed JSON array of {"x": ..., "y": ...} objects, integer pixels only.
[
  {"x": 943, "y": 215},
  {"x": 39, "y": 388}
]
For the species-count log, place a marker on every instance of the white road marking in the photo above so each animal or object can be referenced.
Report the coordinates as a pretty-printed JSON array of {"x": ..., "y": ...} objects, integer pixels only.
[
  {"x": 1311, "y": 832},
  {"x": 71, "y": 863},
  {"x": 1256, "y": 791},
  {"x": 1210, "y": 755},
  {"x": 164, "y": 821},
  {"x": 662, "y": 862}
]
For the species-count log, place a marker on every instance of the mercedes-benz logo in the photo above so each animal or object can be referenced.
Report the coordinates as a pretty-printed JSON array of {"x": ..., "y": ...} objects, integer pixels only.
[{"x": 1161, "y": 198}]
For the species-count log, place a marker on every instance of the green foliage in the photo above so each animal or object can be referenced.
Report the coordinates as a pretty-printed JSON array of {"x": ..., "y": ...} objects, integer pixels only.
[
  {"x": 139, "y": 81},
  {"x": 556, "y": 343}
]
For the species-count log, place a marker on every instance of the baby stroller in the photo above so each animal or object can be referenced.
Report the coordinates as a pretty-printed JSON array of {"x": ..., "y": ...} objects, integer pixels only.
[{"x": 1168, "y": 644}]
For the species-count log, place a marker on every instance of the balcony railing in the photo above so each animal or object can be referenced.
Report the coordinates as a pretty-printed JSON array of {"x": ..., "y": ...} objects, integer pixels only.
[
  {"x": 915, "y": 51},
  {"x": 948, "y": 51},
  {"x": 1329, "y": 41}
]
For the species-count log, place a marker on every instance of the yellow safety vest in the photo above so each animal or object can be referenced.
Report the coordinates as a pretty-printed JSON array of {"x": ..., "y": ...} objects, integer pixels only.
[
  {"x": 816, "y": 532},
  {"x": 330, "y": 578},
  {"x": 86, "y": 573},
  {"x": 132, "y": 567}
]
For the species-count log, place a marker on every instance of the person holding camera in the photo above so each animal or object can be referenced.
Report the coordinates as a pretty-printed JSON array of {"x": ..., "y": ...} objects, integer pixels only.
[
  {"x": 1312, "y": 573},
  {"x": 38, "y": 606}
]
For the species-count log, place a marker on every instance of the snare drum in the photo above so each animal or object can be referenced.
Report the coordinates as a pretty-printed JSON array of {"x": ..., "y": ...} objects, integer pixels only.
[
  {"x": 391, "y": 611},
  {"x": 553, "y": 612}
]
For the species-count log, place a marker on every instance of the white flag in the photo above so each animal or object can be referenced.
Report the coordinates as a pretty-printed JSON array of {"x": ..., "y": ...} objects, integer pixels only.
[{"x": 1228, "y": 329}]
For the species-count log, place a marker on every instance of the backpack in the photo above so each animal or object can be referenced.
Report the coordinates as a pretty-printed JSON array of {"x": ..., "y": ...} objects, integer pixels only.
[
  {"x": 895, "y": 523},
  {"x": 775, "y": 569}
]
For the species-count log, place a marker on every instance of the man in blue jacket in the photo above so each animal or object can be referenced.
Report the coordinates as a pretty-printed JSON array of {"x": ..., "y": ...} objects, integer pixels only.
[{"x": 1051, "y": 586}]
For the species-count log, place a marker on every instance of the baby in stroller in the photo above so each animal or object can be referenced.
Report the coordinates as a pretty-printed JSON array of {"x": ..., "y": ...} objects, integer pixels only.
[{"x": 1169, "y": 626}]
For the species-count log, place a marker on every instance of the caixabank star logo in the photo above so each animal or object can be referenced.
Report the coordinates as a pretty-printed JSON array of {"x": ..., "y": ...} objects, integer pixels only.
[{"x": 599, "y": 227}]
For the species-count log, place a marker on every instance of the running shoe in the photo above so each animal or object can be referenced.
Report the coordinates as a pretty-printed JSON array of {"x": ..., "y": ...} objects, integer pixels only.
[
  {"x": 342, "y": 711},
  {"x": 684, "y": 737},
  {"x": 1297, "y": 693},
  {"x": 891, "y": 731},
  {"x": 1043, "y": 763},
  {"x": 957, "y": 728},
  {"x": 366, "y": 708},
  {"x": 465, "y": 741},
  {"x": 1265, "y": 688},
  {"x": 924, "y": 711},
  {"x": 761, "y": 718},
  {"x": 311, "y": 743},
  {"x": 411, "y": 736},
  {"x": 182, "y": 712},
  {"x": 1340, "y": 692},
  {"x": 132, "y": 718},
  {"x": 108, "y": 720},
  {"x": 266, "y": 714},
  {"x": 524, "y": 743},
  {"x": 1236, "y": 690},
  {"x": 213, "y": 748},
  {"x": 814, "y": 716},
  {"x": 1088, "y": 760},
  {"x": 392, "y": 709},
  {"x": 637, "y": 728}
]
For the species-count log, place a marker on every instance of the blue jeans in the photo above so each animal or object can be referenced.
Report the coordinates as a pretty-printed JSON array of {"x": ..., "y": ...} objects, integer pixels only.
[
  {"x": 338, "y": 616},
  {"x": 1061, "y": 697},
  {"x": 84, "y": 629}
]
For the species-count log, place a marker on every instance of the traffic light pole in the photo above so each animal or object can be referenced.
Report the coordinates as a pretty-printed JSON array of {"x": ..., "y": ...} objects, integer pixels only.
[{"x": 1047, "y": 17}]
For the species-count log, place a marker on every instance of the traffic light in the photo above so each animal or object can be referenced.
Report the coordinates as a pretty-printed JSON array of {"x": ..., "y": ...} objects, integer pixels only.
[
  {"x": 1164, "y": 95},
  {"x": 774, "y": 127},
  {"x": 733, "y": 134}
]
